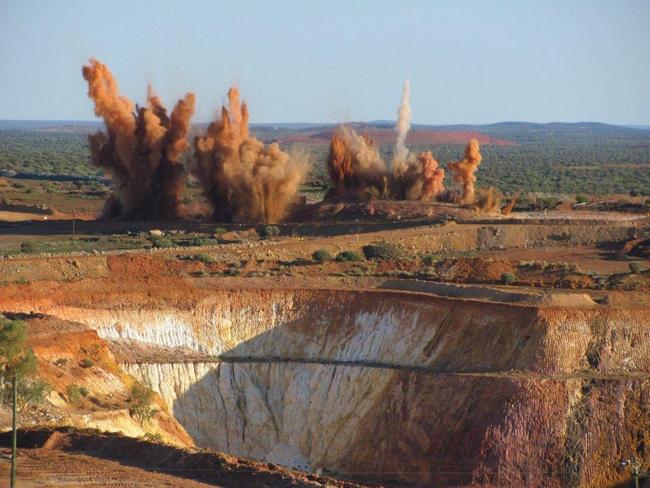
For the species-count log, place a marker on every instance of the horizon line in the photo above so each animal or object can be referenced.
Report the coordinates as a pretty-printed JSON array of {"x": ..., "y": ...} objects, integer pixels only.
[{"x": 373, "y": 121}]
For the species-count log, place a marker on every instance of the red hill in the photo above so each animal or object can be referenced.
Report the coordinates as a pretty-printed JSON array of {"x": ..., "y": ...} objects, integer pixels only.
[{"x": 388, "y": 136}]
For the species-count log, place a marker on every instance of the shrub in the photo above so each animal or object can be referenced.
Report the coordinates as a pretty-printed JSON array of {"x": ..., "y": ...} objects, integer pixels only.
[
  {"x": 205, "y": 258},
  {"x": 161, "y": 242},
  {"x": 634, "y": 268},
  {"x": 27, "y": 247},
  {"x": 507, "y": 278},
  {"x": 219, "y": 231},
  {"x": 430, "y": 259},
  {"x": 202, "y": 241},
  {"x": 61, "y": 362},
  {"x": 532, "y": 264},
  {"x": 74, "y": 393},
  {"x": 383, "y": 251},
  {"x": 348, "y": 256},
  {"x": 562, "y": 236},
  {"x": 582, "y": 199},
  {"x": 268, "y": 231},
  {"x": 322, "y": 255},
  {"x": 548, "y": 203},
  {"x": 86, "y": 363},
  {"x": 140, "y": 399},
  {"x": 150, "y": 437},
  {"x": 566, "y": 267}
]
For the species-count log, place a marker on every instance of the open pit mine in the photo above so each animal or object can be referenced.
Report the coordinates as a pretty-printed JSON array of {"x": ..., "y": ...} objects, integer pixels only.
[
  {"x": 404, "y": 331},
  {"x": 393, "y": 382}
]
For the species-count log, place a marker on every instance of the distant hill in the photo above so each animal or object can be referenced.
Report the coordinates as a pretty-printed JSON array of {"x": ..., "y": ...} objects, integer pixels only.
[
  {"x": 642, "y": 127},
  {"x": 530, "y": 132},
  {"x": 382, "y": 136},
  {"x": 49, "y": 124},
  {"x": 382, "y": 131},
  {"x": 498, "y": 134}
]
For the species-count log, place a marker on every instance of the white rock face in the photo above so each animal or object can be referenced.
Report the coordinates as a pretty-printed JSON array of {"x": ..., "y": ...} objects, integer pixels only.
[
  {"x": 325, "y": 325},
  {"x": 302, "y": 416},
  {"x": 394, "y": 384}
]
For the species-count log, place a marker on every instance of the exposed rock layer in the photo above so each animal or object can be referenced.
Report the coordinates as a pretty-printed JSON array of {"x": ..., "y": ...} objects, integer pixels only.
[{"x": 393, "y": 385}]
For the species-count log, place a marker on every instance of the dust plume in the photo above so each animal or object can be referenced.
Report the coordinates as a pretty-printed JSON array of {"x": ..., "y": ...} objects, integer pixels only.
[
  {"x": 413, "y": 178},
  {"x": 357, "y": 170},
  {"x": 463, "y": 172},
  {"x": 355, "y": 167},
  {"x": 513, "y": 201},
  {"x": 141, "y": 148},
  {"x": 401, "y": 152},
  {"x": 487, "y": 200},
  {"x": 422, "y": 180},
  {"x": 244, "y": 179}
]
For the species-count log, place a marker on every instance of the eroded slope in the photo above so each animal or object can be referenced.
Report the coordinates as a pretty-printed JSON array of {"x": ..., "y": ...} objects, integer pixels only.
[{"x": 389, "y": 385}]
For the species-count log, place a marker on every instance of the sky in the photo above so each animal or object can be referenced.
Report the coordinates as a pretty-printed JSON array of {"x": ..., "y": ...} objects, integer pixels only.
[{"x": 478, "y": 61}]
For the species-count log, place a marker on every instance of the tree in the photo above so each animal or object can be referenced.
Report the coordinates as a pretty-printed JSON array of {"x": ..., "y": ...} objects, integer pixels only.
[{"x": 17, "y": 362}]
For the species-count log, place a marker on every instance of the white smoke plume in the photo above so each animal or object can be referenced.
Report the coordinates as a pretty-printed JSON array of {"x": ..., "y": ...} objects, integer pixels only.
[{"x": 401, "y": 154}]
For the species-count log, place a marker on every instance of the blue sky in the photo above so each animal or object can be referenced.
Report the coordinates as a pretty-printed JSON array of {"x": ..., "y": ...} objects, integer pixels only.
[{"x": 331, "y": 61}]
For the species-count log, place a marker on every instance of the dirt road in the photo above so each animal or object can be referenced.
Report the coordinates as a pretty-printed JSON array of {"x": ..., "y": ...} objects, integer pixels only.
[{"x": 44, "y": 468}]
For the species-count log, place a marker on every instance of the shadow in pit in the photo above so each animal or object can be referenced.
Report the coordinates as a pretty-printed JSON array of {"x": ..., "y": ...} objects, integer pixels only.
[
  {"x": 312, "y": 389},
  {"x": 204, "y": 466},
  {"x": 400, "y": 427},
  {"x": 300, "y": 395}
]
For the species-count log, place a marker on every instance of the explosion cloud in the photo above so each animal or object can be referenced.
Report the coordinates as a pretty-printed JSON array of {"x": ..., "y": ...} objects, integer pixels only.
[
  {"x": 422, "y": 180},
  {"x": 357, "y": 170},
  {"x": 513, "y": 201},
  {"x": 141, "y": 148},
  {"x": 401, "y": 152},
  {"x": 244, "y": 179},
  {"x": 355, "y": 167},
  {"x": 463, "y": 171}
]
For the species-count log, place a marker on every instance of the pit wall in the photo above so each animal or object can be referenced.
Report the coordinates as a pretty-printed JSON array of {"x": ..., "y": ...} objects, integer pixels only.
[
  {"x": 60, "y": 348},
  {"x": 397, "y": 386},
  {"x": 385, "y": 328}
]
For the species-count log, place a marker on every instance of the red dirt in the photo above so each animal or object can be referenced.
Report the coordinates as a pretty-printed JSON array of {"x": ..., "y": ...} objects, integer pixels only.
[
  {"x": 547, "y": 267},
  {"x": 587, "y": 258},
  {"x": 45, "y": 468},
  {"x": 89, "y": 459}
]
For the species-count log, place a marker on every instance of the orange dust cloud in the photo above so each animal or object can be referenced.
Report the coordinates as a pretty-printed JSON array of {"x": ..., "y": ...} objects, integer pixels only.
[
  {"x": 355, "y": 167},
  {"x": 463, "y": 172},
  {"x": 141, "y": 148},
  {"x": 244, "y": 179}
]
